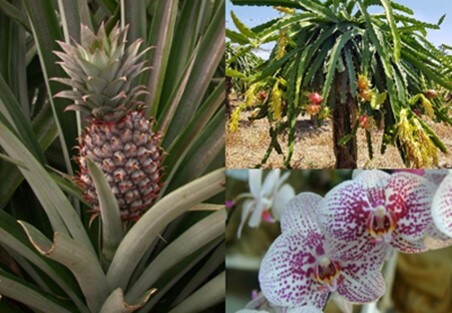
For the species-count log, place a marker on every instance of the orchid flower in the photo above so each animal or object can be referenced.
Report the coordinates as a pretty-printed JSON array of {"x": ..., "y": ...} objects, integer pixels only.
[
  {"x": 434, "y": 238},
  {"x": 442, "y": 206},
  {"x": 303, "y": 266},
  {"x": 378, "y": 209},
  {"x": 265, "y": 200}
]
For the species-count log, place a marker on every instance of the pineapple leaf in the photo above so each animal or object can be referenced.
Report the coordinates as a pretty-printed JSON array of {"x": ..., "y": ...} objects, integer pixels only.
[
  {"x": 162, "y": 31},
  {"x": 73, "y": 13},
  {"x": 81, "y": 261},
  {"x": 46, "y": 31},
  {"x": 116, "y": 303},
  {"x": 175, "y": 97},
  {"x": 10, "y": 108},
  {"x": 203, "y": 150},
  {"x": 60, "y": 212},
  {"x": 13, "y": 237},
  {"x": 14, "y": 13},
  {"x": 16, "y": 288},
  {"x": 46, "y": 132},
  {"x": 135, "y": 17},
  {"x": 194, "y": 238},
  {"x": 178, "y": 272},
  {"x": 112, "y": 232},
  {"x": 185, "y": 40},
  {"x": 215, "y": 259},
  {"x": 211, "y": 52},
  {"x": 132, "y": 247},
  {"x": 206, "y": 296}
]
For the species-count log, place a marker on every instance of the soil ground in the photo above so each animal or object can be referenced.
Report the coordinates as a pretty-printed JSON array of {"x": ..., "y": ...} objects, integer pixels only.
[{"x": 246, "y": 147}]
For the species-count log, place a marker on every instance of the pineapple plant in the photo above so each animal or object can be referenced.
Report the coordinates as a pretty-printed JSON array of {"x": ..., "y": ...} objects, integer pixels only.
[
  {"x": 118, "y": 138},
  {"x": 160, "y": 251}
]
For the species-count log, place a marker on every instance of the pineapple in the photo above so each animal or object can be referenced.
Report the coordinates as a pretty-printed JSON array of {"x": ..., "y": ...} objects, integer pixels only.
[{"x": 118, "y": 138}]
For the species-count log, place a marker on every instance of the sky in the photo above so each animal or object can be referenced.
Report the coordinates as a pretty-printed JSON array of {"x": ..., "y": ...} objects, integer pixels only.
[{"x": 425, "y": 10}]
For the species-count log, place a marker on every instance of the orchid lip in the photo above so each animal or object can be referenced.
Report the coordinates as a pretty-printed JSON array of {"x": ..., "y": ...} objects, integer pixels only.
[
  {"x": 381, "y": 223},
  {"x": 327, "y": 272}
]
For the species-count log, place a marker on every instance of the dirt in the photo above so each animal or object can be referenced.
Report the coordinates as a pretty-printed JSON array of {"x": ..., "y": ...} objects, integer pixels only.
[{"x": 246, "y": 147}]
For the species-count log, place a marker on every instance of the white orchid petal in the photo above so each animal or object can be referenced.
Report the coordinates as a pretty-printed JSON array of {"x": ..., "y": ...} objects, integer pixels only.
[
  {"x": 246, "y": 208},
  {"x": 282, "y": 197},
  {"x": 256, "y": 216},
  {"x": 285, "y": 274},
  {"x": 283, "y": 178},
  {"x": 255, "y": 182},
  {"x": 270, "y": 183},
  {"x": 442, "y": 206},
  {"x": 299, "y": 213}
]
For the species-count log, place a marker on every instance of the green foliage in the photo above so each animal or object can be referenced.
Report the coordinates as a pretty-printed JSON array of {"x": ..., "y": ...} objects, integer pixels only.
[
  {"x": 331, "y": 42},
  {"x": 54, "y": 259},
  {"x": 240, "y": 65}
]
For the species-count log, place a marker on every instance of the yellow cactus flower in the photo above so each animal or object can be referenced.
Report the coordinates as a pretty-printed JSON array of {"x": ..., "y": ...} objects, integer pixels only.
[
  {"x": 415, "y": 142},
  {"x": 282, "y": 42},
  {"x": 428, "y": 107},
  {"x": 234, "y": 121},
  {"x": 284, "y": 9},
  {"x": 276, "y": 102}
]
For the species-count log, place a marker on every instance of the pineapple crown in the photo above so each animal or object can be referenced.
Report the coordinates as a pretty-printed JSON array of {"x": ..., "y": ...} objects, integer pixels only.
[{"x": 101, "y": 71}]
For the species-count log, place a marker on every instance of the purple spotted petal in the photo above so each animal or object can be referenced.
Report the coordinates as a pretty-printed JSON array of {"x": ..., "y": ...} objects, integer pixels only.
[
  {"x": 409, "y": 246},
  {"x": 342, "y": 217},
  {"x": 299, "y": 214},
  {"x": 286, "y": 273},
  {"x": 442, "y": 206},
  {"x": 409, "y": 197},
  {"x": 360, "y": 283},
  {"x": 374, "y": 182}
]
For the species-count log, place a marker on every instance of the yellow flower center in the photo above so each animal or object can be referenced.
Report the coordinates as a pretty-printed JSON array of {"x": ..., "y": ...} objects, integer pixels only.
[
  {"x": 327, "y": 271},
  {"x": 381, "y": 222}
]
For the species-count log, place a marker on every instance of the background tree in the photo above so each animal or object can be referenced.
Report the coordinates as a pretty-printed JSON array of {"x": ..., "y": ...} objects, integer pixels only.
[{"x": 378, "y": 66}]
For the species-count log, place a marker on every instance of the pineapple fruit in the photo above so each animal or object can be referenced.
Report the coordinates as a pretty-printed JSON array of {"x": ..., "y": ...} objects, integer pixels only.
[{"x": 118, "y": 138}]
